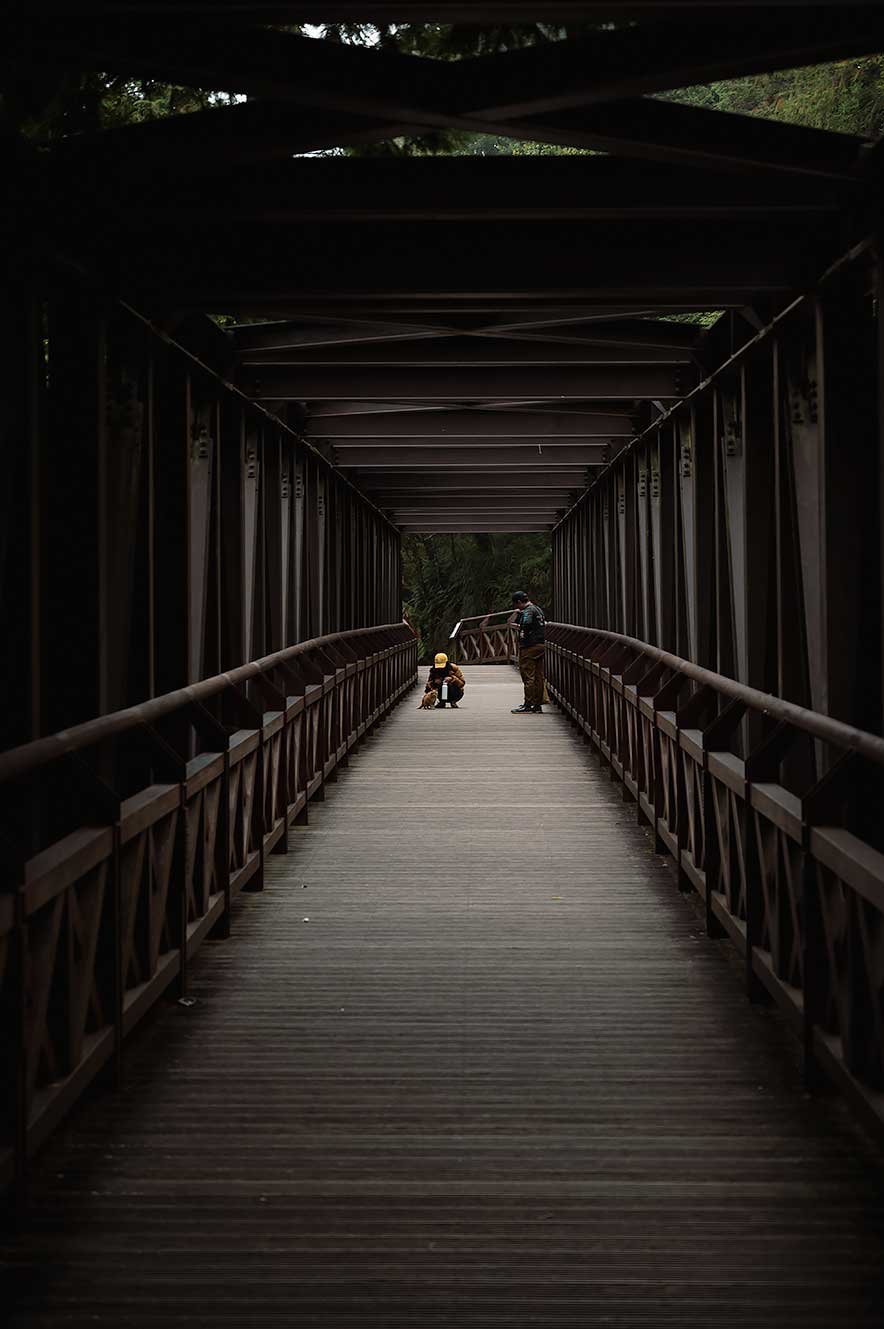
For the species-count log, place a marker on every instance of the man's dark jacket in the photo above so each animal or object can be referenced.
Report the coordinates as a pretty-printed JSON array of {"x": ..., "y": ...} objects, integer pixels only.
[{"x": 531, "y": 625}]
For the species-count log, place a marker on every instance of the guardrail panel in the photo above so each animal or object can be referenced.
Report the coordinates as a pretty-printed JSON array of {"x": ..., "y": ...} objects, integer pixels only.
[
  {"x": 783, "y": 875},
  {"x": 101, "y": 920}
]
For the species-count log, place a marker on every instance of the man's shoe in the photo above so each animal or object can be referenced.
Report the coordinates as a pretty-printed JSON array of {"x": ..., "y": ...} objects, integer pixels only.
[
  {"x": 453, "y": 705},
  {"x": 538, "y": 710},
  {"x": 524, "y": 709}
]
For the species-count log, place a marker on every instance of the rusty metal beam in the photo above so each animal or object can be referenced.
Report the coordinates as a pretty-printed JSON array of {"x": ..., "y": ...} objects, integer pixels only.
[
  {"x": 469, "y": 352},
  {"x": 527, "y": 495},
  {"x": 533, "y": 426},
  {"x": 461, "y": 385},
  {"x": 469, "y": 481},
  {"x": 468, "y": 456},
  {"x": 555, "y": 449},
  {"x": 313, "y": 335},
  {"x": 457, "y": 525},
  {"x": 460, "y": 189}
]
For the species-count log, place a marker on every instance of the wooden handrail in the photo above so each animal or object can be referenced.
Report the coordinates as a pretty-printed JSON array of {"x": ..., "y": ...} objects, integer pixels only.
[
  {"x": 793, "y": 877},
  {"x": 820, "y": 726},
  {"x": 479, "y": 618},
  {"x": 144, "y": 863},
  {"x": 20, "y": 761}
]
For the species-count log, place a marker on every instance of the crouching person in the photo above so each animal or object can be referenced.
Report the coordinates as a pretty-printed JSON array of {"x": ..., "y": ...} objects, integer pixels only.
[{"x": 445, "y": 685}]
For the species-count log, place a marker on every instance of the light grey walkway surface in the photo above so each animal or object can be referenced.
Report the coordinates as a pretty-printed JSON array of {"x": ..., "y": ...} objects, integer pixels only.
[{"x": 467, "y": 1061}]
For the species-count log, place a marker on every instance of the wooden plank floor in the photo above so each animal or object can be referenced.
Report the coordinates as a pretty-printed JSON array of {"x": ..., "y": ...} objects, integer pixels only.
[{"x": 468, "y": 1061}]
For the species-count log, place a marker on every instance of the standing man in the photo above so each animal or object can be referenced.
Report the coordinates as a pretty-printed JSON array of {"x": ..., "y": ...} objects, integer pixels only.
[{"x": 531, "y": 626}]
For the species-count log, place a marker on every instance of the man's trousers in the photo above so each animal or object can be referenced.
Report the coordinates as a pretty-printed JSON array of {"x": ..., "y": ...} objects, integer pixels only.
[{"x": 531, "y": 669}]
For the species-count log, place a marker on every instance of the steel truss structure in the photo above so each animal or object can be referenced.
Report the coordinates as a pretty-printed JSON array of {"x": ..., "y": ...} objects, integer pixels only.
[
  {"x": 729, "y": 558},
  {"x": 742, "y": 529},
  {"x": 172, "y": 527},
  {"x": 469, "y": 338}
]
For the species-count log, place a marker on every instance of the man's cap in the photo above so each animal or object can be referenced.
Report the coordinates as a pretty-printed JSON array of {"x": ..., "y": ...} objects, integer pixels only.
[
  {"x": 441, "y": 660},
  {"x": 519, "y": 595}
]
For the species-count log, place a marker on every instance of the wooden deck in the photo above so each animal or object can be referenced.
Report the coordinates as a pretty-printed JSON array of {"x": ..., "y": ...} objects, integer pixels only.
[{"x": 468, "y": 1060}]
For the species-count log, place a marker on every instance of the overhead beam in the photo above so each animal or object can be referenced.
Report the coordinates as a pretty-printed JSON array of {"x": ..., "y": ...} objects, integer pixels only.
[
  {"x": 464, "y": 526},
  {"x": 468, "y": 456},
  {"x": 471, "y": 502},
  {"x": 533, "y": 426},
  {"x": 478, "y": 518},
  {"x": 460, "y": 385},
  {"x": 400, "y": 447},
  {"x": 500, "y": 313},
  {"x": 541, "y": 500},
  {"x": 684, "y": 282},
  {"x": 469, "y": 352},
  {"x": 558, "y": 503},
  {"x": 469, "y": 481},
  {"x": 422, "y": 497},
  {"x": 475, "y": 265},
  {"x": 503, "y": 189},
  {"x": 596, "y": 326},
  {"x": 252, "y": 341},
  {"x": 490, "y": 513}
]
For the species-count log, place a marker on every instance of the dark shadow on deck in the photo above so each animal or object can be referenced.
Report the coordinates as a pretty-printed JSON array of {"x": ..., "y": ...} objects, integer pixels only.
[{"x": 469, "y": 1060}]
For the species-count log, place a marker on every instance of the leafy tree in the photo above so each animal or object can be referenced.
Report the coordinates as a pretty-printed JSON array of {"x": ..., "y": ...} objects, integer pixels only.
[{"x": 449, "y": 577}]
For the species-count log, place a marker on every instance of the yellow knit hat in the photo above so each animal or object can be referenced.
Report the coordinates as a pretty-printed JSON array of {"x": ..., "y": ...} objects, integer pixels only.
[{"x": 441, "y": 660}]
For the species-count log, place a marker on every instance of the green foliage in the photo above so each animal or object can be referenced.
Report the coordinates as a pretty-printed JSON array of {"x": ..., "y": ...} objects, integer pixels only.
[
  {"x": 442, "y": 41},
  {"x": 846, "y": 96},
  {"x": 449, "y": 577},
  {"x": 703, "y": 320},
  {"x": 495, "y": 145},
  {"x": 78, "y": 104}
]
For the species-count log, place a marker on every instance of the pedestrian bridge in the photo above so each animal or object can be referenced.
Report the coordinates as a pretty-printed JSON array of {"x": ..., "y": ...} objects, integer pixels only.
[
  {"x": 468, "y": 1058},
  {"x": 316, "y": 1009}
]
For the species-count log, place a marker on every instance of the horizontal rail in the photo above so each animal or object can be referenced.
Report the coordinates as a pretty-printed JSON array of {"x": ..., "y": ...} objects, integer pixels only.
[
  {"x": 126, "y": 840},
  {"x": 823, "y": 727},
  {"x": 464, "y": 624},
  {"x": 484, "y": 641},
  {"x": 19, "y": 761},
  {"x": 779, "y": 836}
]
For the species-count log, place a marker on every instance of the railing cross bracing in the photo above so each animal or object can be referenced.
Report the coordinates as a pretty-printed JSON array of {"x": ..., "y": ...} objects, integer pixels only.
[
  {"x": 784, "y": 857},
  {"x": 141, "y": 828}
]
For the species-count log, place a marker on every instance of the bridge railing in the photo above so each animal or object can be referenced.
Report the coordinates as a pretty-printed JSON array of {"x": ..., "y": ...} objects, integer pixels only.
[
  {"x": 126, "y": 839},
  {"x": 484, "y": 639},
  {"x": 772, "y": 813}
]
